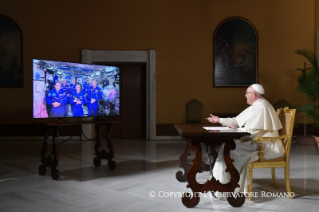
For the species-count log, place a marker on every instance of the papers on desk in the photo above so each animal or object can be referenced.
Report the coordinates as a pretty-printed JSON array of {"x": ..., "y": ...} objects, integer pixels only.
[{"x": 217, "y": 128}]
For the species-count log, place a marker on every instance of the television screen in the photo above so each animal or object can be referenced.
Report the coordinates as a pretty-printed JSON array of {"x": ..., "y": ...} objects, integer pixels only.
[{"x": 64, "y": 89}]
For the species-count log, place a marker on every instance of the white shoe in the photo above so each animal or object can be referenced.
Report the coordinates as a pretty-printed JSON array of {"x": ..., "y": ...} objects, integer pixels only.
[{"x": 220, "y": 196}]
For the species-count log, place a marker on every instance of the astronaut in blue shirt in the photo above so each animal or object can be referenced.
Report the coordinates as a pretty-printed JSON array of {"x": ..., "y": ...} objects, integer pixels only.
[
  {"x": 72, "y": 90},
  {"x": 55, "y": 79},
  {"x": 65, "y": 88},
  {"x": 72, "y": 86},
  {"x": 93, "y": 96},
  {"x": 77, "y": 99},
  {"x": 86, "y": 86},
  {"x": 57, "y": 99}
]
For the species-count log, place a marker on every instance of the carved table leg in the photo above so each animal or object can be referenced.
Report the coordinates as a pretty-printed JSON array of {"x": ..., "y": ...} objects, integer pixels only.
[
  {"x": 211, "y": 152},
  {"x": 50, "y": 161},
  {"x": 43, "y": 166},
  {"x": 191, "y": 200},
  {"x": 54, "y": 171},
  {"x": 102, "y": 153},
  {"x": 186, "y": 166},
  {"x": 97, "y": 147},
  {"x": 109, "y": 155},
  {"x": 239, "y": 200}
]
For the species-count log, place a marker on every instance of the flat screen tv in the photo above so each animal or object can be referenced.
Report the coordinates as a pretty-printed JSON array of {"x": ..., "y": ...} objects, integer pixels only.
[{"x": 65, "y": 90}]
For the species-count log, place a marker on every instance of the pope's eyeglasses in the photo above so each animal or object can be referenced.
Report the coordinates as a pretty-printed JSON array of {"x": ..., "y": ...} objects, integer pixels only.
[{"x": 248, "y": 92}]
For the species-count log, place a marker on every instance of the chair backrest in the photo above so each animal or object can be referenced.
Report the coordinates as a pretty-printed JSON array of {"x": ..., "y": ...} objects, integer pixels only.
[
  {"x": 194, "y": 111},
  {"x": 287, "y": 119},
  {"x": 281, "y": 104}
]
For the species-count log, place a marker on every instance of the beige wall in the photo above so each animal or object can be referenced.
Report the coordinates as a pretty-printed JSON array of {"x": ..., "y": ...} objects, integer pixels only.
[{"x": 182, "y": 34}]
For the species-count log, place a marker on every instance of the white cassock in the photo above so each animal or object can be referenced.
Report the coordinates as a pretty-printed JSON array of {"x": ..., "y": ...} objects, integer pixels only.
[{"x": 260, "y": 120}]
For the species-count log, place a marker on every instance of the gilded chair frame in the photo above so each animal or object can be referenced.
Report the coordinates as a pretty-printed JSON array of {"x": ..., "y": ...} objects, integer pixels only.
[{"x": 285, "y": 136}]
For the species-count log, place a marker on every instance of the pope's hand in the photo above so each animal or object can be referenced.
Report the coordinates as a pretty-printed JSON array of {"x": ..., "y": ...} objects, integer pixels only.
[
  {"x": 213, "y": 119},
  {"x": 232, "y": 126}
]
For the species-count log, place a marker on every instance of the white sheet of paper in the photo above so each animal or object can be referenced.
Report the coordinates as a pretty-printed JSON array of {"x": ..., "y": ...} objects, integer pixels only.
[{"x": 217, "y": 128}]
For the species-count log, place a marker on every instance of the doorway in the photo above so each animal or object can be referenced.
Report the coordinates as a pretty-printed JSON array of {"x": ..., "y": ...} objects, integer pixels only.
[{"x": 133, "y": 101}]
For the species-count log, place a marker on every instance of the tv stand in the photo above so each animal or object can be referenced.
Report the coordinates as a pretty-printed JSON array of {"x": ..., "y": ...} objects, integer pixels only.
[{"x": 50, "y": 162}]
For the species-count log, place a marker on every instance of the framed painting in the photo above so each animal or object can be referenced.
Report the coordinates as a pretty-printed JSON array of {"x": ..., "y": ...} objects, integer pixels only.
[
  {"x": 235, "y": 53},
  {"x": 10, "y": 53}
]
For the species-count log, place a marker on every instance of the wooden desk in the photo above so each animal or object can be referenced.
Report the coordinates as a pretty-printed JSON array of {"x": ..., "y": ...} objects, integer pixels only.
[
  {"x": 196, "y": 134},
  {"x": 50, "y": 162}
]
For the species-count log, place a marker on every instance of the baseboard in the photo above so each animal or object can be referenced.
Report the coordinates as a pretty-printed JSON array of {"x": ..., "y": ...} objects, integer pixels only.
[{"x": 37, "y": 138}]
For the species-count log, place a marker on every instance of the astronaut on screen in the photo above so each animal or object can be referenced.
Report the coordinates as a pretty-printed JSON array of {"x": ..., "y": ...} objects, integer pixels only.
[
  {"x": 57, "y": 99},
  {"x": 77, "y": 99},
  {"x": 94, "y": 94},
  {"x": 110, "y": 95}
]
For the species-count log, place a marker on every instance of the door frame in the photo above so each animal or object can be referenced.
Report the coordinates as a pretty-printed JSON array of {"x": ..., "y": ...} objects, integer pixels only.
[{"x": 144, "y": 56}]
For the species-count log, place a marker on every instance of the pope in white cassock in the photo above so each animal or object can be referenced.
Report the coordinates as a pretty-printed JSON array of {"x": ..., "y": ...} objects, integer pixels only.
[{"x": 260, "y": 120}]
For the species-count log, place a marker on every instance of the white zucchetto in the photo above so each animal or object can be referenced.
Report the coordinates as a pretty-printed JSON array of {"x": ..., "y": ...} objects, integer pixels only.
[{"x": 259, "y": 88}]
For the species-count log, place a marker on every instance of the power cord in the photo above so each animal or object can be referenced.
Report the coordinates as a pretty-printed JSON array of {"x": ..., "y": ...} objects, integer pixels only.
[
  {"x": 89, "y": 139},
  {"x": 68, "y": 138},
  {"x": 65, "y": 140}
]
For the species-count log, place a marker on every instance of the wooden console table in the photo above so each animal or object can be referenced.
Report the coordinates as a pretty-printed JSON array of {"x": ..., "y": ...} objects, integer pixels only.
[
  {"x": 196, "y": 134},
  {"x": 51, "y": 161}
]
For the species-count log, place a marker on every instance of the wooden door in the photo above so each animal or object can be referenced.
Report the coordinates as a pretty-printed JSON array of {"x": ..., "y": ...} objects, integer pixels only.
[{"x": 133, "y": 101}]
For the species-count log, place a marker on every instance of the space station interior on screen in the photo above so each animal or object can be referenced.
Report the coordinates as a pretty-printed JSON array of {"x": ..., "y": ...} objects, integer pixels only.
[{"x": 62, "y": 89}]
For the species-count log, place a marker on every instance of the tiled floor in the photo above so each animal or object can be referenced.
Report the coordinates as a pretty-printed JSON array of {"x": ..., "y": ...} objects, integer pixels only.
[{"x": 142, "y": 167}]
